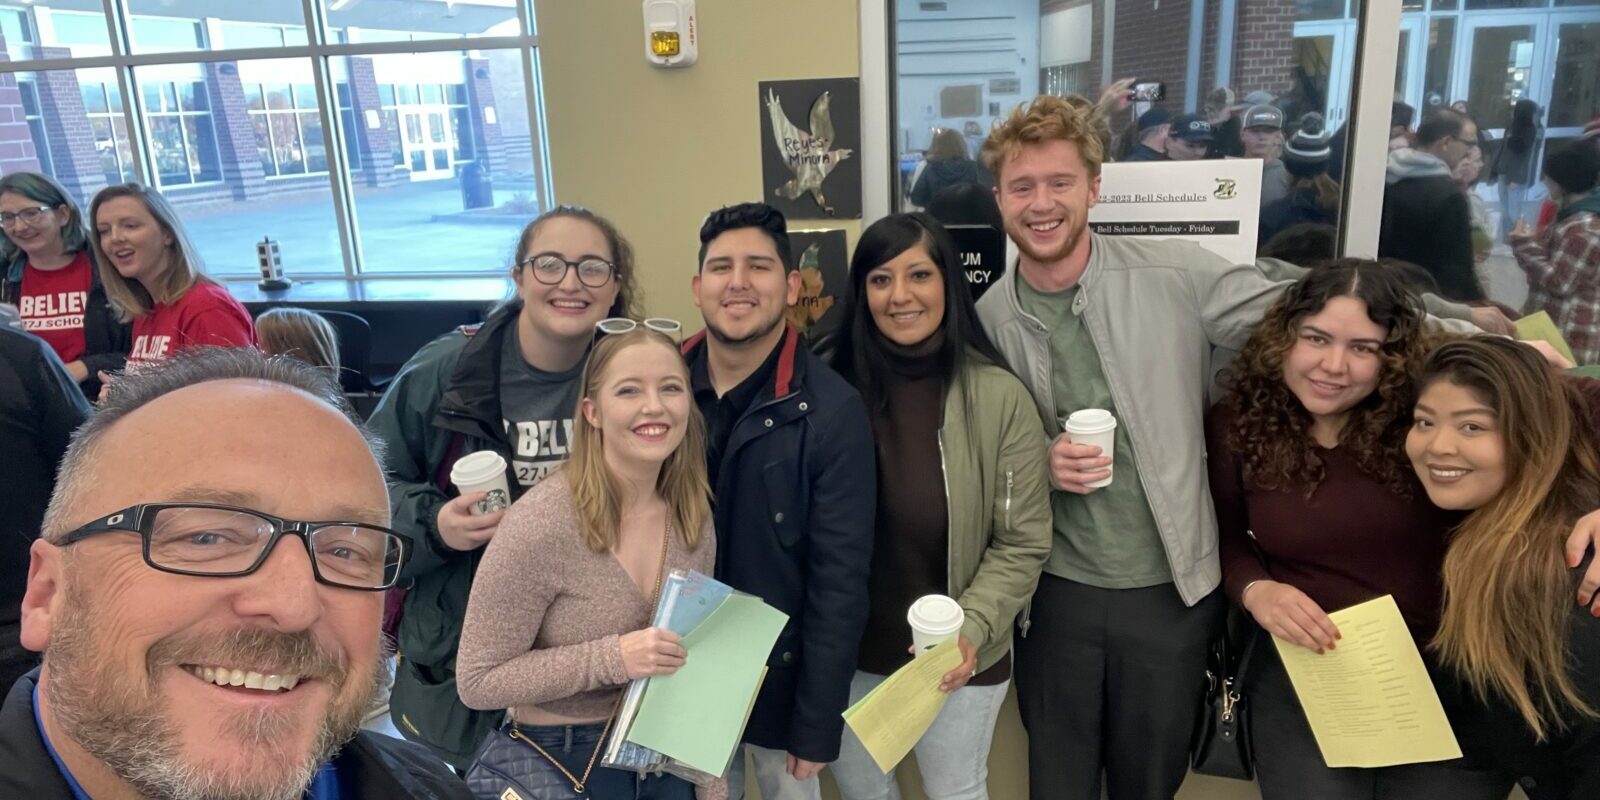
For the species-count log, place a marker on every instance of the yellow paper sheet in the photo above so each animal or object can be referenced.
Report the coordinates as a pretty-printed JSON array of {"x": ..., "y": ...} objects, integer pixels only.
[
  {"x": 1369, "y": 700},
  {"x": 1541, "y": 327},
  {"x": 892, "y": 718}
]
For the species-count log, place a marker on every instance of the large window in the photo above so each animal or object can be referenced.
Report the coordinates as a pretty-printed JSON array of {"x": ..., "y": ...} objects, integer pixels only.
[{"x": 397, "y": 138}]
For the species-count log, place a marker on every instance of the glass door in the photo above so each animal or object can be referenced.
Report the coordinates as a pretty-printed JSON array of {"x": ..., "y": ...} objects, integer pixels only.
[
  {"x": 1501, "y": 61},
  {"x": 1324, "y": 54},
  {"x": 1411, "y": 61},
  {"x": 426, "y": 141},
  {"x": 1575, "y": 75}
]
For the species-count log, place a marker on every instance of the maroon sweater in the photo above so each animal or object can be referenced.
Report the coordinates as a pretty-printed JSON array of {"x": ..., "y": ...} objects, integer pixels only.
[{"x": 1352, "y": 540}]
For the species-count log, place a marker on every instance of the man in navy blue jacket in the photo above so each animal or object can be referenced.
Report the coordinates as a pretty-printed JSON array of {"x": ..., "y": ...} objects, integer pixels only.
[{"x": 790, "y": 457}]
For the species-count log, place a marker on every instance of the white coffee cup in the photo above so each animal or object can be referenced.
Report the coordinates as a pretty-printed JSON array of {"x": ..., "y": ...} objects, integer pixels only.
[
  {"x": 1093, "y": 426},
  {"x": 483, "y": 471},
  {"x": 934, "y": 618}
]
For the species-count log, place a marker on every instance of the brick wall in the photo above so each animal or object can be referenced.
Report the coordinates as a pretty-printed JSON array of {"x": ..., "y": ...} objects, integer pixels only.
[
  {"x": 73, "y": 158},
  {"x": 1264, "y": 46},
  {"x": 236, "y": 136},
  {"x": 488, "y": 145},
  {"x": 1152, "y": 43},
  {"x": 17, "y": 153},
  {"x": 377, "y": 159}
]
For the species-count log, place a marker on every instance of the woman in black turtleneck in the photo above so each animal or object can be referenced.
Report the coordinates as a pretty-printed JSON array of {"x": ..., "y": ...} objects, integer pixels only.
[{"x": 963, "y": 503}]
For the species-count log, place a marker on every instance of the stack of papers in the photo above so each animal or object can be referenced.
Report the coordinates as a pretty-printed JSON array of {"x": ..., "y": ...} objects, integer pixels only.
[
  {"x": 892, "y": 718},
  {"x": 696, "y": 716}
]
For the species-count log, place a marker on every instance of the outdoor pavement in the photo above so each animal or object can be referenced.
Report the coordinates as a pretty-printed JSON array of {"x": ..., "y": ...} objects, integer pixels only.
[{"x": 397, "y": 228}]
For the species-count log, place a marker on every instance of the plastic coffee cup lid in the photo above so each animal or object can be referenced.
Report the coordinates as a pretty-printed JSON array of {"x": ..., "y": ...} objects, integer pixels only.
[
  {"x": 479, "y": 467},
  {"x": 1091, "y": 420},
  {"x": 936, "y": 613}
]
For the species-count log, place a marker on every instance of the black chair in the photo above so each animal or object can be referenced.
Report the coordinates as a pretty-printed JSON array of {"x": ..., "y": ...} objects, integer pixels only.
[{"x": 355, "y": 350}]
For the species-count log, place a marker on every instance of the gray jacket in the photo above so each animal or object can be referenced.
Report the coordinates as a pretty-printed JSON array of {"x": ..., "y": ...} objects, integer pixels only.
[{"x": 1155, "y": 309}]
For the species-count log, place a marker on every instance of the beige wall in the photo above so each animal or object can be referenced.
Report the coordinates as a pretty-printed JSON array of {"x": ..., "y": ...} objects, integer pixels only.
[{"x": 656, "y": 149}]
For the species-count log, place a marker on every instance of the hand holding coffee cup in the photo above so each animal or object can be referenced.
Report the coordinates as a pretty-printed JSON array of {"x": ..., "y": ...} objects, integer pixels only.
[
  {"x": 1080, "y": 459},
  {"x": 470, "y": 520}
]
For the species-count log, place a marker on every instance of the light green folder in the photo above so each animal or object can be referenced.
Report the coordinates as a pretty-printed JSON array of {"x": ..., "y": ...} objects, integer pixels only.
[
  {"x": 1540, "y": 326},
  {"x": 697, "y": 714}
]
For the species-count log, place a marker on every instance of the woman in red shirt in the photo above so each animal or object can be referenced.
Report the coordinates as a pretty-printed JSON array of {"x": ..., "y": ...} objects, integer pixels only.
[
  {"x": 154, "y": 277},
  {"x": 50, "y": 277}
]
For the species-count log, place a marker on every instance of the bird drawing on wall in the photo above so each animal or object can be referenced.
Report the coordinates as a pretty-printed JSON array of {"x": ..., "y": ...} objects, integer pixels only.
[{"x": 807, "y": 154}]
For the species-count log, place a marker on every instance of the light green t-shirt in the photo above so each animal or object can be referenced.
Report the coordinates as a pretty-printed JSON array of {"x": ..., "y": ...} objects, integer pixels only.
[{"x": 1107, "y": 538}]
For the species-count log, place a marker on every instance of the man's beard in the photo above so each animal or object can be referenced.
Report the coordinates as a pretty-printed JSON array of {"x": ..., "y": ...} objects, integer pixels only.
[
  {"x": 120, "y": 721},
  {"x": 727, "y": 339},
  {"x": 1019, "y": 234}
]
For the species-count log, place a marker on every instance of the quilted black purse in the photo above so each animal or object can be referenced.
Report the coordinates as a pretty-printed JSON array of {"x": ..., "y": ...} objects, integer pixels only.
[
  {"x": 510, "y": 766},
  {"x": 1222, "y": 745}
]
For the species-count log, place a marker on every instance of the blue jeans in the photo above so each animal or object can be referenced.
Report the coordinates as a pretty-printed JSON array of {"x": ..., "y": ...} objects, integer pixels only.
[
  {"x": 1511, "y": 198},
  {"x": 953, "y": 756},
  {"x": 772, "y": 776},
  {"x": 574, "y": 745}
]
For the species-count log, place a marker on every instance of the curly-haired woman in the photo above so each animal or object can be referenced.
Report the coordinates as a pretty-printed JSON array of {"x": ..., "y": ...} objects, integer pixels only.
[{"x": 1318, "y": 510}]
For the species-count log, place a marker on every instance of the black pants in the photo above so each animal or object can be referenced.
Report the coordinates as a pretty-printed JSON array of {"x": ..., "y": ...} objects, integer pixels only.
[
  {"x": 1110, "y": 680},
  {"x": 1289, "y": 765},
  {"x": 574, "y": 745}
]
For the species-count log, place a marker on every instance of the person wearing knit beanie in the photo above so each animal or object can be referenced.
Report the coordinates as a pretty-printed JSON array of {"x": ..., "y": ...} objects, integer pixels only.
[{"x": 1313, "y": 196}]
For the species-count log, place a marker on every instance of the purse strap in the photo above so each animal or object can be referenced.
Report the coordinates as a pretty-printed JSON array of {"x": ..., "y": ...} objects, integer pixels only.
[{"x": 578, "y": 784}]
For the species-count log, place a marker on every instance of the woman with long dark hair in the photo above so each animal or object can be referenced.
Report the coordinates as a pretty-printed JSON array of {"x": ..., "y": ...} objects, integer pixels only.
[
  {"x": 1317, "y": 509},
  {"x": 1498, "y": 433},
  {"x": 1515, "y": 167},
  {"x": 963, "y": 506}
]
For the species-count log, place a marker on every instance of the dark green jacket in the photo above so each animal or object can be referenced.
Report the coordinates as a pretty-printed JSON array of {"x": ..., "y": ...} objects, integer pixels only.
[{"x": 444, "y": 404}]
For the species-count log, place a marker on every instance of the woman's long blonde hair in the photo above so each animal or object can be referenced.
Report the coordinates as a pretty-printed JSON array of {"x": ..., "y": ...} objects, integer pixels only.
[
  {"x": 1507, "y": 588},
  {"x": 132, "y": 299},
  {"x": 682, "y": 482}
]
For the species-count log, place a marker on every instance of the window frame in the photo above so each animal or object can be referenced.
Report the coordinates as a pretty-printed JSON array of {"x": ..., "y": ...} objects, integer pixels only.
[{"x": 323, "y": 44}]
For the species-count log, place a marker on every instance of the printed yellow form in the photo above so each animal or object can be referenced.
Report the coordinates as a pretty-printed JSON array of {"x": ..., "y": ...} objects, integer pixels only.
[
  {"x": 1369, "y": 700},
  {"x": 892, "y": 718}
]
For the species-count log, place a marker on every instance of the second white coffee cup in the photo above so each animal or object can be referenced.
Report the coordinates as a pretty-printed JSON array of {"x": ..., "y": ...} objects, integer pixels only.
[
  {"x": 934, "y": 618},
  {"x": 483, "y": 471},
  {"x": 1094, "y": 426}
]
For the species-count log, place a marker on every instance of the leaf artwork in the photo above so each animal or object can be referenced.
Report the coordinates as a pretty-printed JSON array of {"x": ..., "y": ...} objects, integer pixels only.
[{"x": 812, "y": 303}]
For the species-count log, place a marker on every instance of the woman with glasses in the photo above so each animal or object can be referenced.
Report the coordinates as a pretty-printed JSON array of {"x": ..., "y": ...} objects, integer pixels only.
[
  {"x": 50, "y": 276},
  {"x": 963, "y": 507},
  {"x": 559, "y": 620},
  {"x": 509, "y": 386},
  {"x": 155, "y": 279}
]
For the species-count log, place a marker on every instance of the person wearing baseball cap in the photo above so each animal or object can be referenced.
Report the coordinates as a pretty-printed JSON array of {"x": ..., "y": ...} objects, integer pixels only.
[
  {"x": 1313, "y": 196},
  {"x": 1190, "y": 137},
  {"x": 1152, "y": 130},
  {"x": 1261, "y": 134}
]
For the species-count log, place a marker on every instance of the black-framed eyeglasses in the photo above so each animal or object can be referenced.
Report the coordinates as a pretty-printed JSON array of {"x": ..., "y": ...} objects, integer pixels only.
[
  {"x": 29, "y": 216},
  {"x": 221, "y": 541},
  {"x": 550, "y": 269}
]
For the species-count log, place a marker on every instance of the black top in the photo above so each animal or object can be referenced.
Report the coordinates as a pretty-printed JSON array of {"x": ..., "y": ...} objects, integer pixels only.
[
  {"x": 910, "y": 553},
  {"x": 370, "y": 766},
  {"x": 1428, "y": 222},
  {"x": 721, "y": 413},
  {"x": 1567, "y": 765},
  {"x": 40, "y": 407},
  {"x": 106, "y": 339}
]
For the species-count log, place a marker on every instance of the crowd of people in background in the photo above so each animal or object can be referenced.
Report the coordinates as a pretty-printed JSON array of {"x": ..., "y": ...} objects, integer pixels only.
[{"x": 197, "y": 520}]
